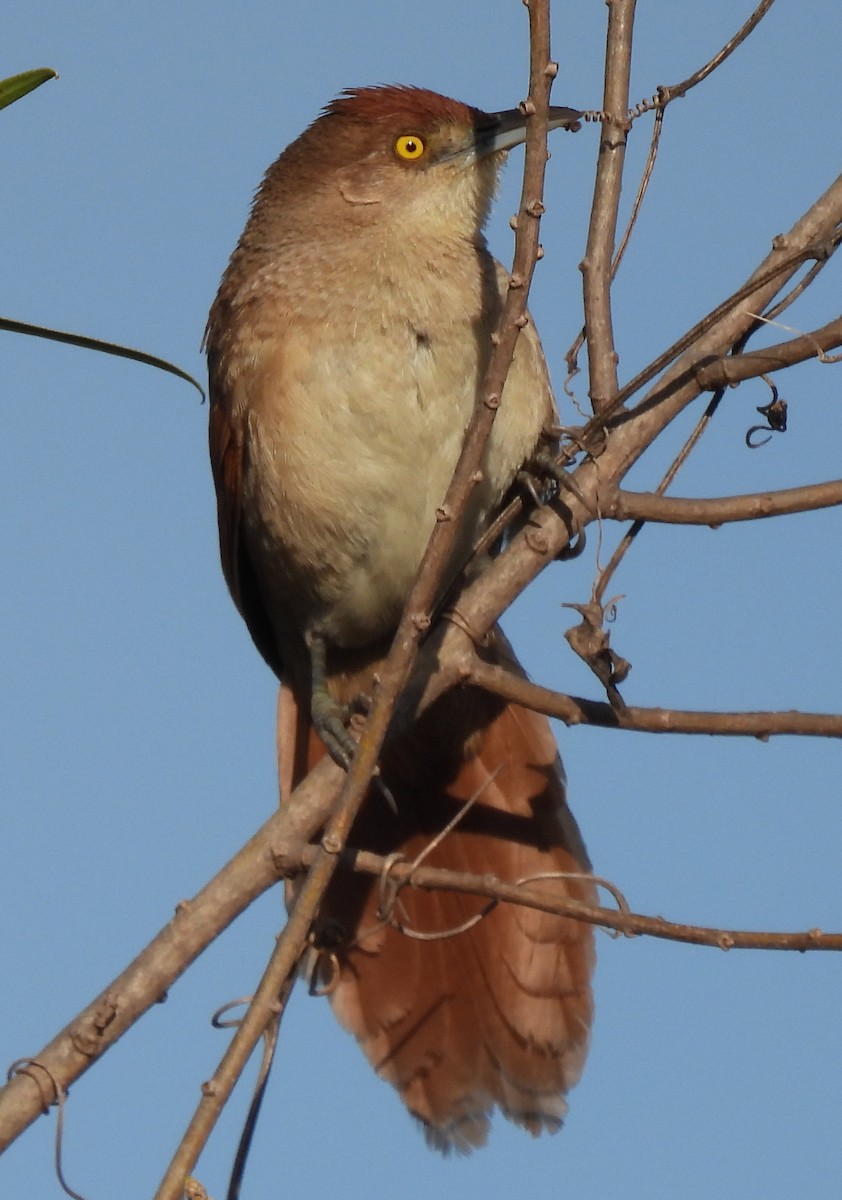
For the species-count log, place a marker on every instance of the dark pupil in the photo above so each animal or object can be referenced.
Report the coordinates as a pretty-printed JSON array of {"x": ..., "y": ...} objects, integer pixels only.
[{"x": 411, "y": 146}]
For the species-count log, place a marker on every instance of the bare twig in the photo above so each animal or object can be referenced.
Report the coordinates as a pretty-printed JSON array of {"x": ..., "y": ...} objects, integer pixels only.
[
  {"x": 195, "y": 924},
  {"x": 674, "y": 510},
  {"x": 550, "y": 531},
  {"x": 576, "y": 710},
  {"x": 265, "y": 1007},
  {"x": 544, "y": 900},
  {"x": 666, "y": 94},
  {"x": 642, "y": 188},
  {"x": 733, "y": 369},
  {"x": 602, "y": 231},
  {"x": 630, "y": 536},
  {"x": 663, "y": 96},
  {"x": 798, "y": 289},
  {"x": 778, "y": 268},
  {"x": 572, "y": 355}
]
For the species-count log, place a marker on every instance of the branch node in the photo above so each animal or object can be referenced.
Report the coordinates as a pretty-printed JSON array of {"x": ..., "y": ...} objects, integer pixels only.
[
  {"x": 537, "y": 540},
  {"x": 286, "y": 856},
  {"x": 456, "y": 618},
  {"x": 87, "y": 1037},
  {"x": 331, "y": 844}
]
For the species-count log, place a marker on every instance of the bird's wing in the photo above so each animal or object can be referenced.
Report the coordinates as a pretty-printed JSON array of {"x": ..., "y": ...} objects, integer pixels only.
[{"x": 228, "y": 450}]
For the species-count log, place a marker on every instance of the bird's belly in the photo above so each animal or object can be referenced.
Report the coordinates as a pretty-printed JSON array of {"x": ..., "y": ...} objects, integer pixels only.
[{"x": 345, "y": 490}]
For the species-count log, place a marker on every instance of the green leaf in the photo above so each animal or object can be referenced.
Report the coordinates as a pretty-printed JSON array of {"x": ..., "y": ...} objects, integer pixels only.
[{"x": 15, "y": 86}]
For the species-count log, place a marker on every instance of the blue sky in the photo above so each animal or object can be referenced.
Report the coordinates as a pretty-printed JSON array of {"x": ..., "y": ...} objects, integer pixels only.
[{"x": 136, "y": 735}]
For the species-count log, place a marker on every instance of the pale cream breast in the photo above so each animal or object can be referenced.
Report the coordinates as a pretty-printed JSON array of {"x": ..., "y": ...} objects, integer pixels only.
[{"x": 357, "y": 409}]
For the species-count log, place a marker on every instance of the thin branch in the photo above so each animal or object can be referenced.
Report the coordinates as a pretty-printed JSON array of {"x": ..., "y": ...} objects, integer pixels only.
[
  {"x": 666, "y": 94},
  {"x": 733, "y": 369},
  {"x": 265, "y": 1006},
  {"x": 674, "y": 510},
  {"x": 195, "y": 925},
  {"x": 642, "y": 189},
  {"x": 550, "y": 530},
  {"x": 798, "y": 289},
  {"x": 602, "y": 231},
  {"x": 629, "y": 923},
  {"x": 780, "y": 268},
  {"x": 630, "y": 536},
  {"x": 681, "y": 89},
  {"x": 572, "y": 355},
  {"x": 576, "y": 710}
]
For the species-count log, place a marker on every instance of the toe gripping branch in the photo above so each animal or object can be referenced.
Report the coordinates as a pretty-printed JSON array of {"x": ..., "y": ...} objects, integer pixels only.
[
  {"x": 330, "y": 718},
  {"x": 542, "y": 468}
]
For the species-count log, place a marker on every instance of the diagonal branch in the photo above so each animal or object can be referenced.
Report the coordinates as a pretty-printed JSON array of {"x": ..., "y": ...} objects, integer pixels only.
[
  {"x": 675, "y": 91},
  {"x": 552, "y": 528},
  {"x": 416, "y": 618},
  {"x": 195, "y": 925}
]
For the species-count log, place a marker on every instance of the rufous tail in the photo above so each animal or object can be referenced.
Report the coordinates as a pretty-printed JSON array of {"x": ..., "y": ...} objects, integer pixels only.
[{"x": 464, "y": 1013}]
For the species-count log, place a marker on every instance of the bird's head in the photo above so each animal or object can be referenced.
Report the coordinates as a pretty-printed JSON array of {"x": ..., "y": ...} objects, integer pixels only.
[{"x": 404, "y": 154}]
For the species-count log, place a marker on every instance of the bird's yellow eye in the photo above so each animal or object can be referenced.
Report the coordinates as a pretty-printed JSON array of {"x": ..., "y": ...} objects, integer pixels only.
[{"x": 409, "y": 146}]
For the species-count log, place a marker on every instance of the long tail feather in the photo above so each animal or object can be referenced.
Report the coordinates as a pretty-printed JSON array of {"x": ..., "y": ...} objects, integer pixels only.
[{"x": 494, "y": 1013}]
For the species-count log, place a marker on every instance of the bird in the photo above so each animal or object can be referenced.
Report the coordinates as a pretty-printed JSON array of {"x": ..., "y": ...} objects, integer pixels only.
[{"x": 346, "y": 349}]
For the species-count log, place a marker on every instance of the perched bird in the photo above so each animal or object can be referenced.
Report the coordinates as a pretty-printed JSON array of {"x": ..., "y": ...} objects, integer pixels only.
[{"x": 346, "y": 348}]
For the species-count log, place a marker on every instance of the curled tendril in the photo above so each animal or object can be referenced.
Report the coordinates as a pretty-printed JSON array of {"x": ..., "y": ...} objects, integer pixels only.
[{"x": 775, "y": 414}]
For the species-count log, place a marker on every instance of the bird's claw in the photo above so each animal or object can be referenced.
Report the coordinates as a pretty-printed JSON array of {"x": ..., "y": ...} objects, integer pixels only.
[
  {"x": 329, "y": 717},
  {"x": 330, "y": 720},
  {"x": 543, "y": 466}
]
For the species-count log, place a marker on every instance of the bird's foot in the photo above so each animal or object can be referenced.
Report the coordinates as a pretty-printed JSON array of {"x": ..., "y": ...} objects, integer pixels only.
[
  {"x": 329, "y": 717},
  {"x": 543, "y": 467}
]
